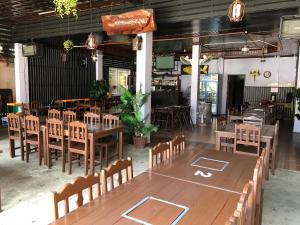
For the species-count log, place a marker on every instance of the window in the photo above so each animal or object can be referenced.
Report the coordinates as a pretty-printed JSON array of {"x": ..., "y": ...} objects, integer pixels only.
[{"x": 118, "y": 78}]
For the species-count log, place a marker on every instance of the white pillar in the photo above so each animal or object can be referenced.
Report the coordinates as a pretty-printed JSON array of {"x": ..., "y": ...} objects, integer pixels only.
[
  {"x": 196, "y": 51},
  {"x": 99, "y": 65},
  {"x": 21, "y": 75},
  {"x": 144, "y": 71},
  {"x": 296, "y": 121}
]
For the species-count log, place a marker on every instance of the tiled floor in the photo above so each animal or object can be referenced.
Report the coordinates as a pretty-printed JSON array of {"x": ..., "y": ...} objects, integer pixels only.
[{"x": 28, "y": 186}]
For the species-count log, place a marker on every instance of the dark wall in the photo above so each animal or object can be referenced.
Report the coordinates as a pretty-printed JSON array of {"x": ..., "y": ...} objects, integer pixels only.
[{"x": 51, "y": 78}]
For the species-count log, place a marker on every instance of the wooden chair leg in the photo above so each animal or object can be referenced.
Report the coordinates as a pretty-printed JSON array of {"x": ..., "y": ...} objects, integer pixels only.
[
  {"x": 22, "y": 148},
  {"x": 40, "y": 153},
  {"x": 12, "y": 148},
  {"x": 49, "y": 158},
  {"x": 63, "y": 160},
  {"x": 27, "y": 152},
  {"x": 86, "y": 161},
  {"x": 70, "y": 162}
]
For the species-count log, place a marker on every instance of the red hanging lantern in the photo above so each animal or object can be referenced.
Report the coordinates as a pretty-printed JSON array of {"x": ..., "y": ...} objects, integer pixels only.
[
  {"x": 91, "y": 42},
  {"x": 236, "y": 11}
]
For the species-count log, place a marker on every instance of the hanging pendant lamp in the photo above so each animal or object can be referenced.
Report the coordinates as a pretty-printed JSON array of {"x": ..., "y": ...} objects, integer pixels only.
[
  {"x": 236, "y": 11},
  {"x": 91, "y": 42}
]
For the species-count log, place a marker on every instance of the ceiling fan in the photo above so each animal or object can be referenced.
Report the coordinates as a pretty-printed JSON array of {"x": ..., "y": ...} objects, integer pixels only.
[{"x": 186, "y": 60}]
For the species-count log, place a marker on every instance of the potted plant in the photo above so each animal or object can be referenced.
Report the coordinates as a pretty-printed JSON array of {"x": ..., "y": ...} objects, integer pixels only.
[
  {"x": 133, "y": 119},
  {"x": 296, "y": 94},
  {"x": 68, "y": 45},
  {"x": 99, "y": 89},
  {"x": 65, "y": 7}
]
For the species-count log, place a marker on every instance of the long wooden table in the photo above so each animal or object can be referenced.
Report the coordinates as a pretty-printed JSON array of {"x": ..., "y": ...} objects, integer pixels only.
[
  {"x": 172, "y": 192},
  {"x": 94, "y": 133},
  {"x": 228, "y": 171}
]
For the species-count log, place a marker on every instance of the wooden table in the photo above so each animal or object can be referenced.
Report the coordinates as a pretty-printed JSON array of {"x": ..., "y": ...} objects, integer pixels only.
[
  {"x": 205, "y": 201},
  {"x": 94, "y": 133},
  {"x": 206, "y": 206},
  {"x": 228, "y": 171},
  {"x": 266, "y": 136}
]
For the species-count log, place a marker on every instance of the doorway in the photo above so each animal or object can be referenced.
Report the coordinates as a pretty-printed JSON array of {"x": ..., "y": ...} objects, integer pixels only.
[{"x": 235, "y": 91}]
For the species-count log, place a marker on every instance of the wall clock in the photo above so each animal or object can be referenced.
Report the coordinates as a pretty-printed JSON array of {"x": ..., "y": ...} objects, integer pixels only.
[{"x": 267, "y": 74}]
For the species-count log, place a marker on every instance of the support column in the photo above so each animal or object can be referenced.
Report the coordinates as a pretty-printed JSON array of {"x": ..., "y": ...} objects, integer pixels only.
[
  {"x": 296, "y": 121},
  {"x": 21, "y": 75},
  {"x": 144, "y": 71},
  {"x": 99, "y": 65},
  {"x": 196, "y": 52}
]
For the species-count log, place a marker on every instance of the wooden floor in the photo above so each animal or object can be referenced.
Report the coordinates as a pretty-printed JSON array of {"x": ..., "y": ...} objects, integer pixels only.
[{"x": 288, "y": 152}]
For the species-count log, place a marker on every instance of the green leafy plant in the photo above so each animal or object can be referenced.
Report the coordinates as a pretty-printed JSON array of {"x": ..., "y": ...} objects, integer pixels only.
[
  {"x": 68, "y": 45},
  {"x": 65, "y": 7},
  {"x": 99, "y": 89},
  {"x": 131, "y": 115}
]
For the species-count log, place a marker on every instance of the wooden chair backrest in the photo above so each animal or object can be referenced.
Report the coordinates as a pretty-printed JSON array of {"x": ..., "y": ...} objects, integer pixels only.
[
  {"x": 78, "y": 132},
  {"x": 248, "y": 135},
  {"x": 69, "y": 116},
  {"x": 109, "y": 119},
  {"x": 221, "y": 123},
  {"x": 76, "y": 188},
  {"x": 116, "y": 168},
  {"x": 177, "y": 145},
  {"x": 53, "y": 113},
  {"x": 14, "y": 122},
  {"x": 246, "y": 206},
  {"x": 32, "y": 125},
  {"x": 95, "y": 109},
  {"x": 55, "y": 128},
  {"x": 159, "y": 153},
  {"x": 35, "y": 105},
  {"x": 92, "y": 118},
  {"x": 253, "y": 120},
  {"x": 258, "y": 180},
  {"x": 25, "y": 108}
]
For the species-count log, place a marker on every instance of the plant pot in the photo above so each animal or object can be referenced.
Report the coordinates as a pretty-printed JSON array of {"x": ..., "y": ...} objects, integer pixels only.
[{"x": 139, "y": 142}]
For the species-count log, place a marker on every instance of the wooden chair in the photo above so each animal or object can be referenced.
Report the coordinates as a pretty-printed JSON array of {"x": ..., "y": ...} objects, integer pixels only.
[
  {"x": 248, "y": 136},
  {"x": 106, "y": 143},
  {"x": 33, "y": 136},
  {"x": 274, "y": 148},
  {"x": 265, "y": 159},
  {"x": 25, "y": 108},
  {"x": 92, "y": 118},
  {"x": 35, "y": 107},
  {"x": 53, "y": 113},
  {"x": 69, "y": 116},
  {"x": 76, "y": 188},
  {"x": 253, "y": 120},
  {"x": 225, "y": 143},
  {"x": 257, "y": 187},
  {"x": 55, "y": 141},
  {"x": 116, "y": 169},
  {"x": 177, "y": 145},
  {"x": 244, "y": 212},
  {"x": 15, "y": 132},
  {"x": 221, "y": 123},
  {"x": 95, "y": 109},
  {"x": 159, "y": 154},
  {"x": 78, "y": 143}
]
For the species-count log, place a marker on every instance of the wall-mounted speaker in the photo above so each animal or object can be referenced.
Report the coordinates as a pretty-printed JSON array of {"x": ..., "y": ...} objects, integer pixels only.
[{"x": 290, "y": 27}]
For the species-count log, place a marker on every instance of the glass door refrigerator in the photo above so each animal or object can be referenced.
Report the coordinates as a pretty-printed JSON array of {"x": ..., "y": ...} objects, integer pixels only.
[{"x": 209, "y": 91}]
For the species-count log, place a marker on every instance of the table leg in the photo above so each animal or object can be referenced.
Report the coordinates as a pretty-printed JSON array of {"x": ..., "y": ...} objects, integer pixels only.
[
  {"x": 92, "y": 153},
  {"x": 120, "y": 144},
  {"x": 218, "y": 137}
]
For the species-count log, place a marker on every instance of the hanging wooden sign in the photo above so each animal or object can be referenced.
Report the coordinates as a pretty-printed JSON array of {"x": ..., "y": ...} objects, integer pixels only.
[{"x": 134, "y": 22}]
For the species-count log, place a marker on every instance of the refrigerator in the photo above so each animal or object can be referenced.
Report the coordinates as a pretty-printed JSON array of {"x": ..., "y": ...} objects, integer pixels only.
[{"x": 209, "y": 91}]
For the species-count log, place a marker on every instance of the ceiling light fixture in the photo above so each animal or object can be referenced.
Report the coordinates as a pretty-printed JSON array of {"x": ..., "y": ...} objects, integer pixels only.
[
  {"x": 47, "y": 12},
  {"x": 236, "y": 11}
]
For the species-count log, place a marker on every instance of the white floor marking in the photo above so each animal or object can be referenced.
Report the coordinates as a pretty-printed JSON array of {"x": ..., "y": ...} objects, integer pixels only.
[{"x": 199, "y": 172}]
